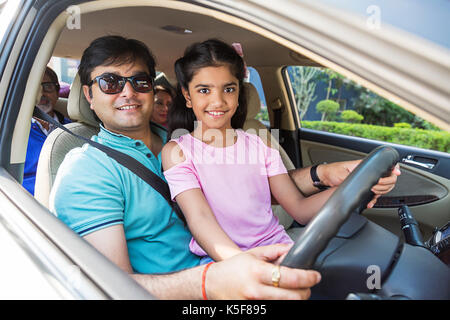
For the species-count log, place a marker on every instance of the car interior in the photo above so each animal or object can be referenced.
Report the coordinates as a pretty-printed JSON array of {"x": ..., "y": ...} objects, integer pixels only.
[{"x": 167, "y": 28}]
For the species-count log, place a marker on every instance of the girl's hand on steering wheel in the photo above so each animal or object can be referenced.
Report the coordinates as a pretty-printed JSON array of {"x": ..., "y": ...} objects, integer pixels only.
[{"x": 333, "y": 174}]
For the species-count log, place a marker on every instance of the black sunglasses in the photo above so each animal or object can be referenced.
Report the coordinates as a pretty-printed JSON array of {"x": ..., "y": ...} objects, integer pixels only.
[{"x": 111, "y": 83}]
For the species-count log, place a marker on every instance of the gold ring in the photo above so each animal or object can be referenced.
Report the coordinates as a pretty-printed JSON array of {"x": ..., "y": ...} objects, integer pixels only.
[{"x": 276, "y": 275}]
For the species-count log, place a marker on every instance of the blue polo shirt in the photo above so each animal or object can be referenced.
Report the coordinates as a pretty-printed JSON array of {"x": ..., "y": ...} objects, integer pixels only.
[{"x": 92, "y": 191}]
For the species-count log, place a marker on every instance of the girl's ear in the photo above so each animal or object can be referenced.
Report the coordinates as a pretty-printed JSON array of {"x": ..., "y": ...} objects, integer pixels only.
[{"x": 187, "y": 97}]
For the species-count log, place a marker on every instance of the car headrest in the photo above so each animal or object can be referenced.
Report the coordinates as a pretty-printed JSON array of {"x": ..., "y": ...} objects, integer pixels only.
[
  {"x": 253, "y": 102},
  {"x": 78, "y": 107}
]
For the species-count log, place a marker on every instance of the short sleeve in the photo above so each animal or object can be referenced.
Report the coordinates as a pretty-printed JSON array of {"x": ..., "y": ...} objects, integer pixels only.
[
  {"x": 181, "y": 177},
  {"x": 83, "y": 203},
  {"x": 274, "y": 163}
]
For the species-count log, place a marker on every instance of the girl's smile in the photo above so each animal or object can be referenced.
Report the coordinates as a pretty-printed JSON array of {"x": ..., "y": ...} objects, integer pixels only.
[{"x": 215, "y": 114}]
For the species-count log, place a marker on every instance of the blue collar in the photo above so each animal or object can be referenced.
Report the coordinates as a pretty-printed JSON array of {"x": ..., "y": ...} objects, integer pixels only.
[{"x": 113, "y": 137}]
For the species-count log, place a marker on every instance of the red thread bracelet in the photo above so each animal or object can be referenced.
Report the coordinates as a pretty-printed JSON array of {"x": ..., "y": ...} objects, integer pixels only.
[{"x": 204, "y": 280}]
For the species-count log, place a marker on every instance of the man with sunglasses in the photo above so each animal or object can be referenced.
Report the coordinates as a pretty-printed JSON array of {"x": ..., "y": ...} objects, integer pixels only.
[{"x": 40, "y": 129}]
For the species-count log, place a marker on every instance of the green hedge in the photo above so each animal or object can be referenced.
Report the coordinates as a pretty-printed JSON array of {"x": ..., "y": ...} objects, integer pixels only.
[{"x": 427, "y": 139}]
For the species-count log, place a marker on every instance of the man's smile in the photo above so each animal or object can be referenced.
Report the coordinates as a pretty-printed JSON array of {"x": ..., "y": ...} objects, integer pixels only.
[
  {"x": 129, "y": 107},
  {"x": 44, "y": 100}
]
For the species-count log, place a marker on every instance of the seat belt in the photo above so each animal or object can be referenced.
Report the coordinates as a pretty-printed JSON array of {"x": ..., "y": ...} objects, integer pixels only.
[
  {"x": 276, "y": 119},
  {"x": 277, "y": 109},
  {"x": 125, "y": 160}
]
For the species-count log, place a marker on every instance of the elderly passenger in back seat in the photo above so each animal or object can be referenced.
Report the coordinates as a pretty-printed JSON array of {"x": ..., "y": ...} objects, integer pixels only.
[{"x": 40, "y": 129}]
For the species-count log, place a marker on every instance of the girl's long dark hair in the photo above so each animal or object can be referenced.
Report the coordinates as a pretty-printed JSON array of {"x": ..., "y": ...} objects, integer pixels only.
[{"x": 210, "y": 53}]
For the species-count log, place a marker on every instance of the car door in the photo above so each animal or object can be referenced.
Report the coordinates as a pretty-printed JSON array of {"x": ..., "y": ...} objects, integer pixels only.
[{"x": 424, "y": 189}]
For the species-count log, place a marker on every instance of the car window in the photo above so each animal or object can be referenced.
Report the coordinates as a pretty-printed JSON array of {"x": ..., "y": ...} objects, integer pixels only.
[
  {"x": 255, "y": 79},
  {"x": 330, "y": 102}
]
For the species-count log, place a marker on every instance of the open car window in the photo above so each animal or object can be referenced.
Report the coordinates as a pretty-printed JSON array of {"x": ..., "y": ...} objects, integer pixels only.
[{"x": 328, "y": 101}]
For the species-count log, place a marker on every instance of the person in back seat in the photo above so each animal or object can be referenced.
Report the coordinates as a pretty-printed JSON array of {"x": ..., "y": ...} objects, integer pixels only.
[
  {"x": 163, "y": 102},
  {"x": 41, "y": 129}
]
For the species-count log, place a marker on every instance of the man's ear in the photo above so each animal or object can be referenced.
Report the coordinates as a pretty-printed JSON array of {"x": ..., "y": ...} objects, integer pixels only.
[
  {"x": 88, "y": 94},
  {"x": 187, "y": 97}
]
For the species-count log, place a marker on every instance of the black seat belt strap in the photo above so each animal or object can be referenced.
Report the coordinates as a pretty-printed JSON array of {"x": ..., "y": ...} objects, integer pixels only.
[{"x": 125, "y": 160}]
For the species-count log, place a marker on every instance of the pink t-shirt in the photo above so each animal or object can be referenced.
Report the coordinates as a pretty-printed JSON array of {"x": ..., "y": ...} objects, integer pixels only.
[{"x": 235, "y": 183}]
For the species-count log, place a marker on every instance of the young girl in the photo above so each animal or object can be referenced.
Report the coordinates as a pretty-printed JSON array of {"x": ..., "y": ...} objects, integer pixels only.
[{"x": 222, "y": 177}]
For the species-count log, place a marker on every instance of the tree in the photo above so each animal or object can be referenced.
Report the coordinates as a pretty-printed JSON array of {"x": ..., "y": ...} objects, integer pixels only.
[
  {"x": 327, "y": 108},
  {"x": 380, "y": 111},
  {"x": 335, "y": 82},
  {"x": 351, "y": 116},
  {"x": 331, "y": 76},
  {"x": 403, "y": 125},
  {"x": 304, "y": 88},
  {"x": 373, "y": 108}
]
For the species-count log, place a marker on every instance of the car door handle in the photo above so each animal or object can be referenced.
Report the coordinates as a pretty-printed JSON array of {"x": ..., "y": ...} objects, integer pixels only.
[{"x": 410, "y": 160}]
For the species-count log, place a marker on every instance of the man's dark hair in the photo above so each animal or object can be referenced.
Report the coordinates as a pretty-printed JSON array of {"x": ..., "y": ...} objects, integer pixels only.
[
  {"x": 53, "y": 77},
  {"x": 114, "y": 50},
  {"x": 210, "y": 53}
]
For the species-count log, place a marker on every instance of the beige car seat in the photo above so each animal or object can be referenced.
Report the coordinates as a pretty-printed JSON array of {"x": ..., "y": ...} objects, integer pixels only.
[
  {"x": 252, "y": 125},
  {"x": 59, "y": 142},
  {"x": 61, "y": 106}
]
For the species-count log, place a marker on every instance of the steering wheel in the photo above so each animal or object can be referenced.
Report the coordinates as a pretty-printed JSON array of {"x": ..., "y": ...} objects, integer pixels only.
[{"x": 353, "y": 193}]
